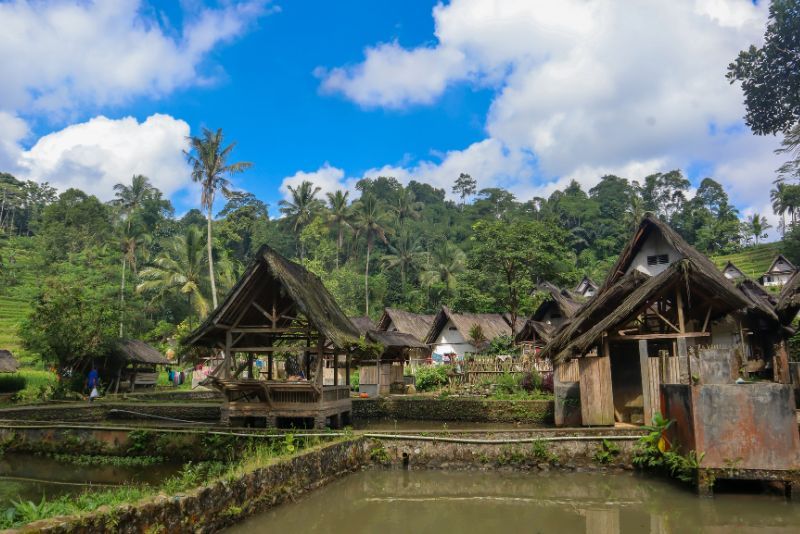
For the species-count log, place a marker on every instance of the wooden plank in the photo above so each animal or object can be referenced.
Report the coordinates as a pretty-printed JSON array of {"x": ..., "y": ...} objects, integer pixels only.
[
  {"x": 676, "y": 335},
  {"x": 655, "y": 385},
  {"x": 647, "y": 394},
  {"x": 684, "y": 368},
  {"x": 597, "y": 402}
]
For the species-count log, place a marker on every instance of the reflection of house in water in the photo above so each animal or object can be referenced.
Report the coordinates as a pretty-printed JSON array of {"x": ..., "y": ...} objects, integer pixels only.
[
  {"x": 668, "y": 332},
  {"x": 280, "y": 309},
  {"x": 778, "y": 273},
  {"x": 455, "y": 333}
]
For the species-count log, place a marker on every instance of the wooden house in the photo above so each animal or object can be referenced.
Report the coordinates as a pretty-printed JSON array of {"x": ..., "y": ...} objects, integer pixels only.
[
  {"x": 669, "y": 333},
  {"x": 136, "y": 365},
  {"x": 280, "y": 309},
  {"x": 586, "y": 287},
  {"x": 558, "y": 306},
  {"x": 415, "y": 324},
  {"x": 732, "y": 272},
  {"x": 451, "y": 334},
  {"x": 778, "y": 273}
]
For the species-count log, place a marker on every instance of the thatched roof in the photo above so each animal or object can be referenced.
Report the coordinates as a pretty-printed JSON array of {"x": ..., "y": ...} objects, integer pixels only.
[
  {"x": 362, "y": 324},
  {"x": 492, "y": 324},
  {"x": 138, "y": 351},
  {"x": 619, "y": 305},
  {"x": 733, "y": 270},
  {"x": 789, "y": 299},
  {"x": 585, "y": 284},
  {"x": 543, "y": 331},
  {"x": 415, "y": 324},
  {"x": 269, "y": 280},
  {"x": 396, "y": 340},
  {"x": 567, "y": 303},
  {"x": 780, "y": 258},
  {"x": 761, "y": 300},
  {"x": 8, "y": 364}
]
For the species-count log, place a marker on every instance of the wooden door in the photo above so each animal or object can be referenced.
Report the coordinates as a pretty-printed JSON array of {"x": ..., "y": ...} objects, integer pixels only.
[{"x": 597, "y": 400}]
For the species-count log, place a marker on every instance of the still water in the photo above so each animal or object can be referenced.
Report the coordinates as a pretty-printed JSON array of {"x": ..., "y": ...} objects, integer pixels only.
[
  {"x": 389, "y": 502},
  {"x": 28, "y": 477}
]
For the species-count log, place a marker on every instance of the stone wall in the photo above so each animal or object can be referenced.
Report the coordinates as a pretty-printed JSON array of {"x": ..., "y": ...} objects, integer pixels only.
[
  {"x": 220, "y": 504},
  {"x": 455, "y": 409},
  {"x": 101, "y": 411}
]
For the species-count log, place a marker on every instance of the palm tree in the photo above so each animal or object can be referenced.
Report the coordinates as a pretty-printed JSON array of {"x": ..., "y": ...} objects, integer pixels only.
[
  {"x": 210, "y": 168},
  {"x": 179, "y": 269},
  {"x": 756, "y": 225},
  {"x": 301, "y": 209},
  {"x": 404, "y": 254},
  {"x": 339, "y": 217},
  {"x": 129, "y": 199},
  {"x": 444, "y": 264},
  {"x": 407, "y": 207},
  {"x": 370, "y": 221}
]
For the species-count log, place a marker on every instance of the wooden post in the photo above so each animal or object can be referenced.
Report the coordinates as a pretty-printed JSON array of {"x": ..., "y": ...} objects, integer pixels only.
[
  {"x": 307, "y": 358},
  {"x": 335, "y": 368},
  {"x": 250, "y": 365},
  {"x": 679, "y": 305},
  {"x": 647, "y": 395},
  {"x": 320, "y": 360},
  {"x": 378, "y": 369},
  {"x": 347, "y": 367},
  {"x": 228, "y": 355},
  {"x": 684, "y": 365},
  {"x": 269, "y": 366}
]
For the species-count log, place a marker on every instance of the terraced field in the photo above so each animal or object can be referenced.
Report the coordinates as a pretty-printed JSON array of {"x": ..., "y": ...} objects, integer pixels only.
[
  {"x": 15, "y": 299},
  {"x": 752, "y": 261}
]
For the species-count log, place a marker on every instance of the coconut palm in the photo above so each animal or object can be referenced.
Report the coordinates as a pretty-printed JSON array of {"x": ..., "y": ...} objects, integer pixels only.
[
  {"x": 404, "y": 254},
  {"x": 756, "y": 225},
  {"x": 445, "y": 262},
  {"x": 180, "y": 269},
  {"x": 406, "y": 208},
  {"x": 129, "y": 199},
  {"x": 370, "y": 220},
  {"x": 339, "y": 214},
  {"x": 300, "y": 210},
  {"x": 210, "y": 168}
]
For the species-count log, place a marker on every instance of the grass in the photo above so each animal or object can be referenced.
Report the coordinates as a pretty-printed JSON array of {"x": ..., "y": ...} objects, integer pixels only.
[
  {"x": 116, "y": 461},
  {"x": 752, "y": 261},
  {"x": 37, "y": 380},
  {"x": 191, "y": 476}
]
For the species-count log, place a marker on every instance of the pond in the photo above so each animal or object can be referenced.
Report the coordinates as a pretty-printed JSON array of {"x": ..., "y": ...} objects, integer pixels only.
[
  {"x": 29, "y": 477},
  {"x": 497, "y": 502}
]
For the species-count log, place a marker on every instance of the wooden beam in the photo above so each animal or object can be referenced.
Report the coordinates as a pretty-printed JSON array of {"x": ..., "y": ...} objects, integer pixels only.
[
  {"x": 679, "y": 306},
  {"x": 270, "y": 358},
  {"x": 667, "y": 321},
  {"x": 705, "y": 323},
  {"x": 676, "y": 335},
  {"x": 276, "y": 349},
  {"x": 228, "y": 354},
  {"x": 647, "y": 395}
]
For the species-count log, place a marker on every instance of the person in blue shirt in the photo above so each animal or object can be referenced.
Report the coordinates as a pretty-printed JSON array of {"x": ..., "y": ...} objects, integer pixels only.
[{"x": 91, "y": 383}]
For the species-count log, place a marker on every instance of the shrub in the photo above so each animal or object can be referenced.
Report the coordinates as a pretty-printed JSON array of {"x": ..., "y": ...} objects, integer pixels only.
[
  {"x": 507, "y": 383},
  {"x": 12, "y": 383},
  {"x": 354, "y": 380},
  {"x": 531, "y": 381},
  {"x": 431, "y": 377}
]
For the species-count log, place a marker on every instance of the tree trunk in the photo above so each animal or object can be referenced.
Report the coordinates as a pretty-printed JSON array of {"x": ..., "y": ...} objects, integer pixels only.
[
  {"x": 211, "y": 263},
  {"x": 122, "y": 297},
  {"x": 339, "y": 245},
  {"x": 366, "y": 279}
]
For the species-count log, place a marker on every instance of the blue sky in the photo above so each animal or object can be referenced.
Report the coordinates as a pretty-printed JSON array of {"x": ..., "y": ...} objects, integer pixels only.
[{"x": 525, "y": 95}]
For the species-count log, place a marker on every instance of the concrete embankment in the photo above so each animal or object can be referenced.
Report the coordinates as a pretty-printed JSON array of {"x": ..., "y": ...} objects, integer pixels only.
[{"x": 101, "y": 411}]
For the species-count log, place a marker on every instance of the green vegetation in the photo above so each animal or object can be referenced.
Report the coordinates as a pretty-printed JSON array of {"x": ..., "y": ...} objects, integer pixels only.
[
  {"x": 191, "y": 475},
  {"x": 606, "y": 452},
  {"x": 753, "y": 261},
  {"x": 653, "y": 451},
  {"x": 12, "y": 383},
  {"x": 116, "y": 461},
  {"x": 431, "y": 377}
]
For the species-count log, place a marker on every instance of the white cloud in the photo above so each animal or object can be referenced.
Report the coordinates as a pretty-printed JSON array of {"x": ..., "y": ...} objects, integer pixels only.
[
  {"x": 63, "y": 55},
  {"x": 327, "y": 178},
  {"x": 583, "y": 88},
  {"x": 101, "y": 152}
]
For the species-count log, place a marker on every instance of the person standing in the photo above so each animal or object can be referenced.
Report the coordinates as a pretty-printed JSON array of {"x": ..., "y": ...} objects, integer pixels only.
[{"x": 92, "y": 382}]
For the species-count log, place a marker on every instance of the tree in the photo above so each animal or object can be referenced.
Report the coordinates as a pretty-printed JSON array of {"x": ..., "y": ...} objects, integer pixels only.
[
  {"x": 339, "y": 217},
  {"x": 406, "y": 208},
  {"x": 180, "y": 269},
  {"x": 464, "y": 187},
  {"x": 73, "y": 223},
  {"x": 756, "y": 225},
  {"x": 445, "y": 262},
  {"x": 665, "y": 193},
  {"x": 768, "y": 74},
  {"x": 301, "y": 209},
  {"x": 243, "y": 218},
  {"x": 519, "y": 254},
  {"x": 130, "y": 199},
  {"x": 210, "y": 168},
  {"x": 786, "y": 199},
  {"x": 370, "y": 221},
  {"x": 404, "y": 254}
]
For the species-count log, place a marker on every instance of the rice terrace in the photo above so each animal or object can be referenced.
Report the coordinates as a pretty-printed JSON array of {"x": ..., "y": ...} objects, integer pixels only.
[{"x": 438, "y": 265}]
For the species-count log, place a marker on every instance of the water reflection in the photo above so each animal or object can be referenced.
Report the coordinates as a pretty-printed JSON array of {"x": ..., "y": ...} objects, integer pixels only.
[{"x": 420, "y": 501}]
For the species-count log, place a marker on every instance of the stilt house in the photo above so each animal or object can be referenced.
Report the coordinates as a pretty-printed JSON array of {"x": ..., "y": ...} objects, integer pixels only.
[
  {"x": 451, "y": 334},
  {"x": 558, "y": 307},
  {"x": 586, "y": 287},
  {"x": 668, "y": 332},
  {"x": 732, "y": 272},
  {"x": 280, "y": 309},
  {"x": 415, "y": 324},
  {"x": 779, "y": 272}
]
